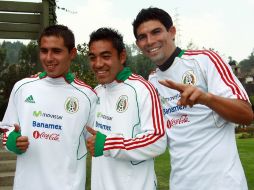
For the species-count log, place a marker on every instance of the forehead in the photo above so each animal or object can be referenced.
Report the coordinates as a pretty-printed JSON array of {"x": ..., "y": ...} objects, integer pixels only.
[
  {"x": 52, "y": 41},
  {"x": 148, "y": 26},
  {"x": 101, "y": 46}
]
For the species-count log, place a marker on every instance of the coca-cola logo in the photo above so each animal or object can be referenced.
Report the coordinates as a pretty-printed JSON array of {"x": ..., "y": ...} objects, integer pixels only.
[
  {"x": 177, "y": 121},
  {"x": 47, "y": 136}
]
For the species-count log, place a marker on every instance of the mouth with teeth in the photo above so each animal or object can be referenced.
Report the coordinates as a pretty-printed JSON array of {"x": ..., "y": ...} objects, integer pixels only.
[
  {"x": 51, "y": 67},
  {"x": 101, "y": 74},
  {"x": 153, "y": 51}
]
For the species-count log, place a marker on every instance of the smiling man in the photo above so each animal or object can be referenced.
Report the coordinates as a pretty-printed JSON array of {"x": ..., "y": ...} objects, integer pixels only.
[
  {"x": 51, "y": 110},
  {"x": 201, "y": 99},
  {"x": 129, "y": 128}
]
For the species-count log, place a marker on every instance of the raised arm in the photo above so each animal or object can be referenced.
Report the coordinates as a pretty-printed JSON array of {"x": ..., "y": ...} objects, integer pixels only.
[{"x": 233, "y": 110}]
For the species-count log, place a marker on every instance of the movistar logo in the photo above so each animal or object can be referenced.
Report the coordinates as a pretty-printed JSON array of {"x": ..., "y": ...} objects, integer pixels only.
[
  {"x": 100, "y": 115},
  {"x": 37, "y": 113},
  {"x": 30, "y": 99},
  {"x": 43, "y": 114}
]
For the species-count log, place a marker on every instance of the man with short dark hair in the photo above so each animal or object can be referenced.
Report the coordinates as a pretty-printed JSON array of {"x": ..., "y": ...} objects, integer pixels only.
[
  {"x": 129, "y": 128},
  {"x": 51, "y": 111},
  {"x": 201, "y": 102}
]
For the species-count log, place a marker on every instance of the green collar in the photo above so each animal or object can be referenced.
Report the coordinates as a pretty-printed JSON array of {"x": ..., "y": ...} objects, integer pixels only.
[
  {"x": 181, "y": 53},
  {"x": 69, "y": 77},
  {"x": 124, "y": 74}
]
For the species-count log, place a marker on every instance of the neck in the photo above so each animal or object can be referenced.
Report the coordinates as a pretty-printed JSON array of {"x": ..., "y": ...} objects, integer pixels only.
[{"x": 170, "y": 60}]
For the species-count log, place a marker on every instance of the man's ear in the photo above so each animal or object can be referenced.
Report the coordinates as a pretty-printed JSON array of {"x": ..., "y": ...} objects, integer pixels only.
[
  {"x": 123, "y": 56},
  {"x": 172, "y": 31},
  {"x": 73, "y": 53}
]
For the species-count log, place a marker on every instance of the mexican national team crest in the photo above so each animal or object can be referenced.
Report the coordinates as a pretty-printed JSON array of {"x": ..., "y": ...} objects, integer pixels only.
[
  {"x": 189, "y": 78},
  {"x": 71, "y": 105},
  {"x": 122, "y": 104}
]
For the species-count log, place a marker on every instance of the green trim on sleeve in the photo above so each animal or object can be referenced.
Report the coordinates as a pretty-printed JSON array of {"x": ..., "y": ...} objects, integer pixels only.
[
  {"x": 11, "y": 142},
  {"x": 99, "y": 144}
]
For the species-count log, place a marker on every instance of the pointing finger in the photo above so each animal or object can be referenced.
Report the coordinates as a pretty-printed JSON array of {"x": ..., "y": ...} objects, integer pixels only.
[{"x": 173, "y": 85}]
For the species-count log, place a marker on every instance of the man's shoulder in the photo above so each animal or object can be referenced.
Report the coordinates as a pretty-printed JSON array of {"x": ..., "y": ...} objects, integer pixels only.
[
  {"x": 81, "y": 85},
  {"x": 201, "y": 55},
  {"x": 26, "y": 80},
  {"x": 140, "y": 83}
]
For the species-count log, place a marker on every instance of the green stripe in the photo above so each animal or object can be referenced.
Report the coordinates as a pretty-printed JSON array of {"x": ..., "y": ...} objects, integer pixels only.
[{"x": 181, "y": 53}]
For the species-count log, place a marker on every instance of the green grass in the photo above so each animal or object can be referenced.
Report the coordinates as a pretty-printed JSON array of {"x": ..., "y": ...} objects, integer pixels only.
[
  {"x": 246, "y": 151},
  {"x": 162, "y": 167}
]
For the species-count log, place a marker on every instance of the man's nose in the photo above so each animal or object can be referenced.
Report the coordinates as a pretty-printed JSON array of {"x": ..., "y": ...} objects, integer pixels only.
[
  {"x": 49, "y": 56},
  {"x": 150, "y": 39},
  {"x": 98, "y": 62}
]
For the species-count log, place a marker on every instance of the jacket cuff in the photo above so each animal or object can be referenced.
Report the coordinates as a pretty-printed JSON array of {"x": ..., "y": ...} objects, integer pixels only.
[
  {"x": 11, "y": 142},
  {"x": 99, "y": 144}
]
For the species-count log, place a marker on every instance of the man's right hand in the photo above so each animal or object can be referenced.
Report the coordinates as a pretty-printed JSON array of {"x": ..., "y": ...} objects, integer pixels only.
[
  {"x": 90, "y": 142},
  {"x": 22, "y": 142}
]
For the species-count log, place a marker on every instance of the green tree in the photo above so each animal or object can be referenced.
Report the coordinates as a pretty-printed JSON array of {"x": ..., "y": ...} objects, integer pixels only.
[
  {"x": 247, "y": 64},
  {"x": 138, "y": 63},
  {"x": 80, "y": 66},
  {"x": 2, "y": 57},
  {"x": 12, "y": 51},
  {"x": 29, "y": 55}
]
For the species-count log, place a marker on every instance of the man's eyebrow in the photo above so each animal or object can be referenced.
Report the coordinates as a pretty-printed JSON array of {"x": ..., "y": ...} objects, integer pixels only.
[
  {"x": 101, "y": 53},
  {"x": 54, "y": 48},
  {"x": 105, "y": 52},
  {"x": 90, "y": 53}
]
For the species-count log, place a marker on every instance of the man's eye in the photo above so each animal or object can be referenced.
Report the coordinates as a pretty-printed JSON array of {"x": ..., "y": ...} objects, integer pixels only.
[
  {"x": 106, "y": 57},
  {"x": 91, "y": 58},
  {"x": 157, "y": 31},
  {"x": 43, "y": 51},
  {"x": 141, "y": 37},
  {"x": 57, "y": 51}
]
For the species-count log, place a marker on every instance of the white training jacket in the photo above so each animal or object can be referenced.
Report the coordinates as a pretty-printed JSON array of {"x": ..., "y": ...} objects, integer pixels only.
[
  {"x": 202, "y": 144},
  {"x": 53, "y": 113},
  {"x": 130, "y": 114}
]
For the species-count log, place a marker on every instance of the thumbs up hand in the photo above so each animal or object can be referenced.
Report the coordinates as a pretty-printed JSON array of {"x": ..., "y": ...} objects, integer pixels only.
[
  {"x": 90, "y": 142},
  {"x": 22, "y": 142}
]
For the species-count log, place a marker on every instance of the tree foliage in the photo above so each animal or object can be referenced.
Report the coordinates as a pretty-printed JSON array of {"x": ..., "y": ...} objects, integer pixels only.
[
  {"x": 247, "y": 65},
  {"x": 12, "y": 51},
  {"x": 138, "y": 63}
]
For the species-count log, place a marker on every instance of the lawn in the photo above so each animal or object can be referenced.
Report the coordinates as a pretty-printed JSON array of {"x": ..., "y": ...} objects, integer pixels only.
[{"x": 246, "y": 151}]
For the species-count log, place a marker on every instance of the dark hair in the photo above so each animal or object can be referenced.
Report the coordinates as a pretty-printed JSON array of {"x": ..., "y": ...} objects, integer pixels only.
[
  {"x": 108, "y": 34},
  {"x": 152, "y": 13},
  {"x": 59, "y": 31}
]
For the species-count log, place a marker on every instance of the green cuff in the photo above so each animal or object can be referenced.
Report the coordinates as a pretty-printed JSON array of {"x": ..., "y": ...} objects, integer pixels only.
[
  {"x": 99, "y": 144},
  {"x": 11, "y": 142}
]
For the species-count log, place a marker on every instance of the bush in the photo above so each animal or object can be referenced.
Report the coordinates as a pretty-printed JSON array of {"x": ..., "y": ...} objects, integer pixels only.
[
  {"x": 245, "y": 132},
  {"x": 244, "y": 136}
]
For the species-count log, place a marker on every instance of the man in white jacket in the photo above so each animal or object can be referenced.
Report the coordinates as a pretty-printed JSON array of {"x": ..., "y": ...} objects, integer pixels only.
[
  {"x": 51, "y": 110},
  {"x": 201, "y": 100},
  {"x": 129, "y": 127}
]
